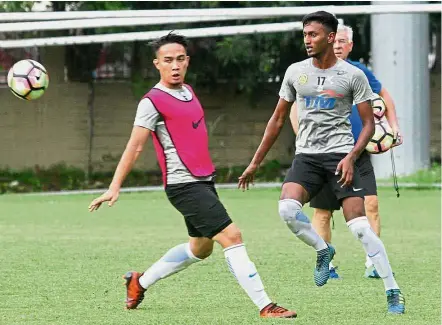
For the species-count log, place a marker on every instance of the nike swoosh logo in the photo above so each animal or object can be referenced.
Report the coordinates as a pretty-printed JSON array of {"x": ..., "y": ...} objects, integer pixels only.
[
  {"x": 357, "y": 189},
  {"x": 374, "y": 254},
  {"x": 196, "y": 124},
  {"x": 252, "y": 275},
  {"x": 340, "y": 73}
]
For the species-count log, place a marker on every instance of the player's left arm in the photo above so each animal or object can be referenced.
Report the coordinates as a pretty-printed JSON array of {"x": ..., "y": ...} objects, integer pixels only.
[
  {"x": 362, "y": 95},
  {"x": 390, "y": 113},
  {"x": 366, "y": 113}
]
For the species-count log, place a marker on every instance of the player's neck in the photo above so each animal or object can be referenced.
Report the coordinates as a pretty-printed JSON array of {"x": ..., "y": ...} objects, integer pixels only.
[
  {"x": 171, "y": 86},
  {"x": 325, "y": 60}
]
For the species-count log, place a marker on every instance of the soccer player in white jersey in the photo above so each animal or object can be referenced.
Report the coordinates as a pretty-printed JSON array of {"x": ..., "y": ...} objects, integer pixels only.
[
  {"x": 325, "y": 202},
  {"x": 325, "y": 88},
  {"x": 172, "y": 114}
]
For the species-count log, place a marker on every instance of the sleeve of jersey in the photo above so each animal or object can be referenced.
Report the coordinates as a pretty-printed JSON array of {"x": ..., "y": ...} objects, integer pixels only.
[
  {"x": 287, "y": 91},
  {"x": 361, "y": 88},
  {"x": 375, "y": 84},
  {"x": 147, "y": 115}
]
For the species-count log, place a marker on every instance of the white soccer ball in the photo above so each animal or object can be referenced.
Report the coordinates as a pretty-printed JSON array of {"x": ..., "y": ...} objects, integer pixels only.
[
  {"x": 383, "y": 138},
  {"x": 28, "y": 79},
  {"x": 379, "y": 107}
]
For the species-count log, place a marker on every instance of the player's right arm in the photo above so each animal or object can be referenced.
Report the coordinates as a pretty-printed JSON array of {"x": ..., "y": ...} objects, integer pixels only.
[
  {"x": 287, "y": 97},
  {"x": 144, "y": 124},
  {"x": 272, "y": 131},
  {"x": 130, "y": 155}
]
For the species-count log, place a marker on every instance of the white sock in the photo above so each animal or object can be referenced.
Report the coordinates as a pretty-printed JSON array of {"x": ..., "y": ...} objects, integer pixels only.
[
  {"x": 176, "y": 259},
  {"x": 291, "y": 212},
  {"x": 245, "y": 272},
  {"x": 368, "y": 262},
  {"x": 375, "y": 250},
  {"x": 330, "y": 266}
]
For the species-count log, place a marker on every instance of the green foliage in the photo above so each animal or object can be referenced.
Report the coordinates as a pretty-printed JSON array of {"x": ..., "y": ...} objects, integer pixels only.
[
  {"x": 60, "y": 177},
  {"x": 54, "y": 178},
  {"x": 271, "y": 171},
  {"x": 16, "y": 6}
]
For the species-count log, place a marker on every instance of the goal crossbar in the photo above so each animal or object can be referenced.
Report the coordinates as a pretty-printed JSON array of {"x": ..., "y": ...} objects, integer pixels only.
[
  {"x": 146, "y": 36},
  {"x": 248, "y": 12},
  {"x": 111, "y": 22}
]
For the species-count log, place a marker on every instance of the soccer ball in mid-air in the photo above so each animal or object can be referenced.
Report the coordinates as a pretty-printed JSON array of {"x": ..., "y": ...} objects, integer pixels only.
[
  {"x": 378, "y": 106},
  {"x": 383, "y": 138},
  {"x": 28, "y": 79}
]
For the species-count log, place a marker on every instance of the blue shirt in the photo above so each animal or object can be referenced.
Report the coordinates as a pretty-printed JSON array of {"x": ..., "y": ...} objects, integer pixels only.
[{"x": 355, "y": 119}]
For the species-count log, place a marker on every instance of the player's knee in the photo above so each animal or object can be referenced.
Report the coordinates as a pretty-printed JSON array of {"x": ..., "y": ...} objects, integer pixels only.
[
  {"x": 231, "y": 235},
  {"x": 288, "y": 209},
  {"x": 202, "y": 249},
  {"x": 353, "y": 207},
  {"x": 205, "y": 253},
  {"x": 291, "y": 213},
  {"x": 235, "y": 236}
]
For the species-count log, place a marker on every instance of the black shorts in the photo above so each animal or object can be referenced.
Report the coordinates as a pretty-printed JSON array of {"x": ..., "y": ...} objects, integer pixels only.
[
  {"x": 327, "y": 200},
  {"x": 313, "y": 171},
  {"x": 198, "y": 202}
]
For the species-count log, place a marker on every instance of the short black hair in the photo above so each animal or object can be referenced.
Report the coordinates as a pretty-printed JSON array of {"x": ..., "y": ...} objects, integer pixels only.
[
  {"x": 323, "y": 17},
  {"x": 168, "y": 39}
]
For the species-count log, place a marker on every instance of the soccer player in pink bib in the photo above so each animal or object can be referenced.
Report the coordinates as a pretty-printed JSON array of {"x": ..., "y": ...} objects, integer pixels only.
[{"x": 172, "y": 114}]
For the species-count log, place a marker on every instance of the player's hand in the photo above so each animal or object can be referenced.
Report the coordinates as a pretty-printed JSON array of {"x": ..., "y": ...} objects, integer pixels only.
[
  {"x": 397, "y": 137},
  {"x": 346, "y": 169},
  {"x": 110, "y": 196},
  {"x": 247, "y": 177}
]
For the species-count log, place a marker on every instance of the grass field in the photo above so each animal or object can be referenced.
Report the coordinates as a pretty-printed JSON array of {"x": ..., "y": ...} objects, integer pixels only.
[{"x": 63, "y": 265}]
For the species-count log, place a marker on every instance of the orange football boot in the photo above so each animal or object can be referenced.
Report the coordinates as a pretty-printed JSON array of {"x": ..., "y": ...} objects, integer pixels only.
[
  {"x": 135, "y": 292},
  {"x": 274, "y": 311}
]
